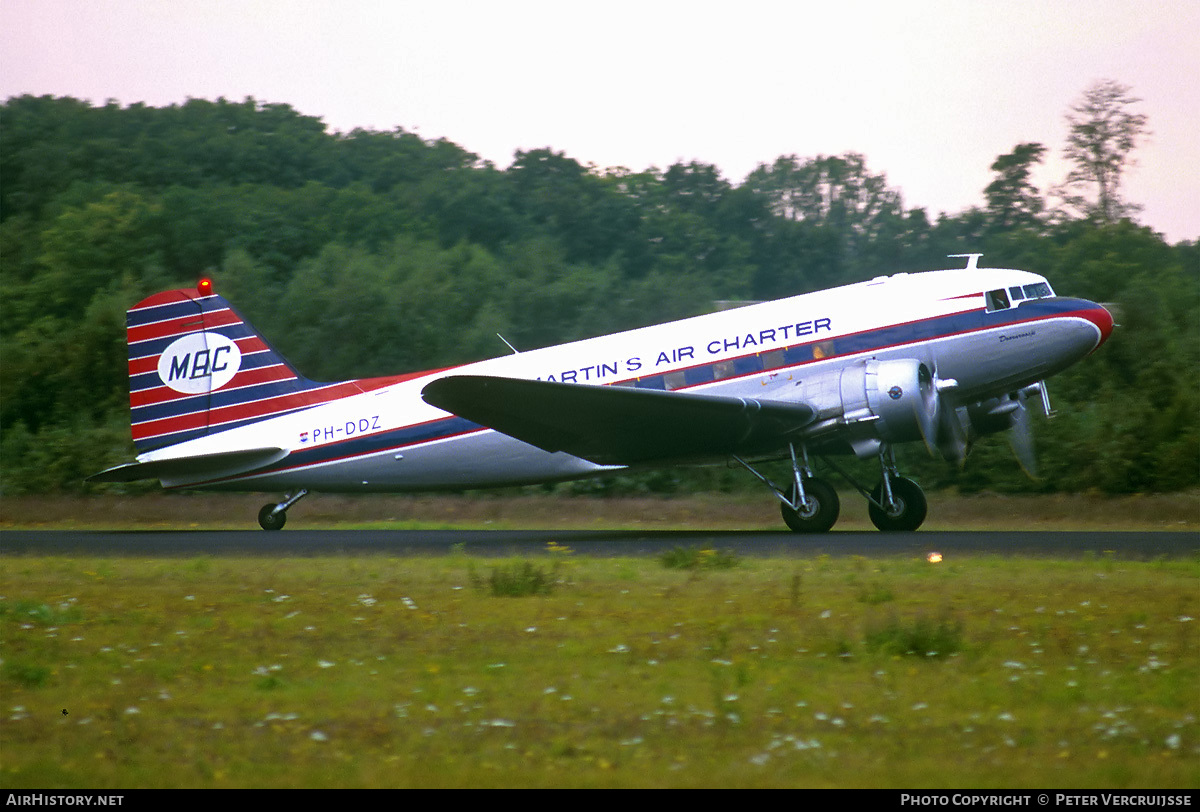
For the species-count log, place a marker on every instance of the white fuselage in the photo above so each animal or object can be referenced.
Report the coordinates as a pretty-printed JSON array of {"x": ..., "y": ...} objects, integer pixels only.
[{"x": 391, "y": 440}]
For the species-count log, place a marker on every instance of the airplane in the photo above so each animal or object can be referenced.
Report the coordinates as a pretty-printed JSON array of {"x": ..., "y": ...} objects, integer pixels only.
[{"x": 937, "y": 357}]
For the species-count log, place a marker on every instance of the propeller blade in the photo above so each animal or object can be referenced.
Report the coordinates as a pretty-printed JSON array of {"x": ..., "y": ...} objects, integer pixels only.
[
  {"x": 942, "y": 430},
  {"x": 1020, "y": 437},
  {"x": 930, "y": 408},
  {"x": 952, "y": 435},
  {"x": 949, "y": 434}
]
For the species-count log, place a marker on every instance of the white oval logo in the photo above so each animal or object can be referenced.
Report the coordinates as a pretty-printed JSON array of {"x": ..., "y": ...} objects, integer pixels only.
[{"x": 199, "y": 363}]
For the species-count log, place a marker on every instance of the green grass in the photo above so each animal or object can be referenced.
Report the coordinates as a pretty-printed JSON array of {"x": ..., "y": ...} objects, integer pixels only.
[
  {"x": 517, "y": 580},
  {"x": 385, "y": 672},
  {"x": 695, "y": 558}
]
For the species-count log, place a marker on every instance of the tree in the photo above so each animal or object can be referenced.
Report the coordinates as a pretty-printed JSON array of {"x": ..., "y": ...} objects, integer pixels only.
[
  {"x": 1103, "y": 132},
  {"x": 837, "y": 193},
  {"x": 378, "y": 252},
  {"x": 1012, "y": 199}
]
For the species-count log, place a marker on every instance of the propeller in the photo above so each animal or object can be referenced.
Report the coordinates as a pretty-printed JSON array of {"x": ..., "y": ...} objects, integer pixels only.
[
  {"x": 946, "y": 426},
  {"x": 949, "y": 435},
  {"x": 953, "y": 440},
  {"x": 958, "y": 427},
  {"x": 1020, "y": 437},
  {"x": 931, "y": 406}
]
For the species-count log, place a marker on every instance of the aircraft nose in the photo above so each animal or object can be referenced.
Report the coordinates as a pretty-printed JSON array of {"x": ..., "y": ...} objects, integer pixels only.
[{"x": 1099, "y": 316}]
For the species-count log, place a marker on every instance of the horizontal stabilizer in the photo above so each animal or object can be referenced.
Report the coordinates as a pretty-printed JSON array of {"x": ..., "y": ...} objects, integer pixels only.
[
  {"x": 180, "y": 470},
  {"x": 619, "y": 425}
]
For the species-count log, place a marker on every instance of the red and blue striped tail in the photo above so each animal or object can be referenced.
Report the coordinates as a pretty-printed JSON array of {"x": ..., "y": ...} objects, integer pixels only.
[{"x": 196, "y": 367}]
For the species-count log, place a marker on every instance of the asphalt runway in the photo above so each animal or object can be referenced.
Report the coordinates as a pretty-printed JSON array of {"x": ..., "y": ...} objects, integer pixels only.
[{"x": 297, "y": 543}]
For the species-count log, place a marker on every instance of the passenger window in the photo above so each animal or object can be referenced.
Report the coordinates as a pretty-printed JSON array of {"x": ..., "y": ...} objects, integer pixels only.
[
  {"x": 997, "y": 300},
  {"x": 674, "y": 380}
]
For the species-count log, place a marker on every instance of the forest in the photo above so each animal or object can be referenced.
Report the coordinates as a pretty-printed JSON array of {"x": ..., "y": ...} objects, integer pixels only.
[{"x": 369, "y": 253}]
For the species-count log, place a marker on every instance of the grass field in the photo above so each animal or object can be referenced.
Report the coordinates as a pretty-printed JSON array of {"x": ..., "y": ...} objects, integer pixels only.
[{"x": 700, "y": 670}]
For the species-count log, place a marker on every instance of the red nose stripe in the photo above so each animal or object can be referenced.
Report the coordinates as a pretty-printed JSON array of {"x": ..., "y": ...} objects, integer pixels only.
[{"x": 1103, "y": 321}]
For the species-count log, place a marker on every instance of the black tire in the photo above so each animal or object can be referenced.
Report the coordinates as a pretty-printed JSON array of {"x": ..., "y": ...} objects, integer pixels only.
[
  {"x": 908, "y": 511},
  {"x": 820, "y": 512},
  {"x": 269, "y": 520}
]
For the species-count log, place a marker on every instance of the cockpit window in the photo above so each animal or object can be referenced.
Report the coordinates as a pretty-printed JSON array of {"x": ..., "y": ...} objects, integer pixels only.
[
  {"x": 1038, "y": 290},
  {"x": 997, "y": 300},
  {"x": 1015, "y": 293}
]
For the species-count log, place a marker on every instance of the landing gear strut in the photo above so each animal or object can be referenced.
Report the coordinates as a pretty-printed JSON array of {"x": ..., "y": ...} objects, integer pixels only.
[
  {"x": 273, "y": 516},
  {"x": 810, "y": 505},
  {"x": 896, "y": 504},
  {"x": 905, "y": 511},
  {"x": 816, "y": 512}
]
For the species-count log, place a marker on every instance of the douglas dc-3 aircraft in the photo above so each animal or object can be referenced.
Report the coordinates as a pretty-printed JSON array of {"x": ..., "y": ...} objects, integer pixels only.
[{"x": 939, "y": 357}]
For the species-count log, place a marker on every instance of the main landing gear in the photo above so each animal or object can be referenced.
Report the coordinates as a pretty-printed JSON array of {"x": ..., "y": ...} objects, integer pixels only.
[
  {"x": 273, "y": 516},
  {"x": 896, "y": 503},
  {"x": 811, "y": 505}
]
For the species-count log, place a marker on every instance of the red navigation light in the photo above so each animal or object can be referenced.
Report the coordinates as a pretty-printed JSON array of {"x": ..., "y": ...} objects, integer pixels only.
[{"x": 204, "y": 286}]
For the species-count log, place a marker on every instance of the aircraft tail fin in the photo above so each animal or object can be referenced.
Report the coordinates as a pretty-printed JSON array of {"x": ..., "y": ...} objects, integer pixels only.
[{"x": 197, "y": 367}]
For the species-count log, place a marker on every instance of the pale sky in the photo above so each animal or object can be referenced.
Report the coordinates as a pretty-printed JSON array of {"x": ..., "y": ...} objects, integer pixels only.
[{"x": 930, "y": 91}]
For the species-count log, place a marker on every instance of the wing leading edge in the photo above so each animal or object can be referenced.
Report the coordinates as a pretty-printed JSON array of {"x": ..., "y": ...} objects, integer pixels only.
[{"x": 618, "y": 425}]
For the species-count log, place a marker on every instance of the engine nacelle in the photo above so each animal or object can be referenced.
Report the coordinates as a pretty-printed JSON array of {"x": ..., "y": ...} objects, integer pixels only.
[{"x": 899, "y": 396}]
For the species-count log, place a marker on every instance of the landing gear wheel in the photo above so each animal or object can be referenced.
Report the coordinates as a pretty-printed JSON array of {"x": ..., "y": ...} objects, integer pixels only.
[
  {"x": 268, "y": 519},
  {"x": 907, "y": 510},
  {"x": 819, "y": 512}
]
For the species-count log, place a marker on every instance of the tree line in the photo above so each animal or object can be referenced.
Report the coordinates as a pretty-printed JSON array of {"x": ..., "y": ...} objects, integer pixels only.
[{"x": 369, "y": 253}]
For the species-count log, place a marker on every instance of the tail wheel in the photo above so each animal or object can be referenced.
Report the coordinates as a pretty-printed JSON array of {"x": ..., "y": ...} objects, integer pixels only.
[
  {"x": 819, "y": 511},
  {"x": 907, "y": 510},
  {"x": 270, "y": 519}
]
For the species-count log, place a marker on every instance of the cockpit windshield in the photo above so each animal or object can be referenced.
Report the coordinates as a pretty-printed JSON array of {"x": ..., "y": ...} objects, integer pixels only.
[{"x": 1002, "y": 299}]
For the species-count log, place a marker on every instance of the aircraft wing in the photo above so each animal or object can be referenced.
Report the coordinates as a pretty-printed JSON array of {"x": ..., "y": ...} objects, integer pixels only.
[
  {"x": 193, "y": 469},
  {"x": 619, "y": 425}
]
